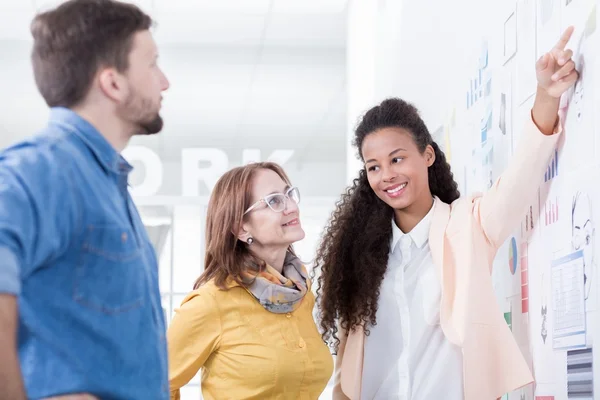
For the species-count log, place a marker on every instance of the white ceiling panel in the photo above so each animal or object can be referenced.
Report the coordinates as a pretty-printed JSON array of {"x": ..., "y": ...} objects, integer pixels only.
[
  {"x": 244, "y": 74},
  {"x": 255, "y": 7},
  {"x": 309, "y": 6},
  {"x": 313, "y": 30},
  {"x": 234, "y": 29}
]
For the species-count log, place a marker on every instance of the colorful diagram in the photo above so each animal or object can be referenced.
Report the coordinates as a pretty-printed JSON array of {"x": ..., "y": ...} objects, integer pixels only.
[
  {"x": 524, "y": 279},
  {"x": 508, "y": 319},
  {"x": 513, "y": 256}
]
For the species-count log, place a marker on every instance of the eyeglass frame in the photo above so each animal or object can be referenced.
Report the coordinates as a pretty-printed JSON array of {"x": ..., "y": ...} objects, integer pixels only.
[{"x": 269, "y": 196}]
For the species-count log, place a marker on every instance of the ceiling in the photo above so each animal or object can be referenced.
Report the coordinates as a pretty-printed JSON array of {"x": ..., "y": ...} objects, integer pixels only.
[{"x": 267, "y": 74}]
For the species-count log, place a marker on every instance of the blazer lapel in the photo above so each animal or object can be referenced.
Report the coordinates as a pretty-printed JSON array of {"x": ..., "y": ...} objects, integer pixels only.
[
  {"x": 439, "y": 222},
  {"x": 437, "y": 241}
]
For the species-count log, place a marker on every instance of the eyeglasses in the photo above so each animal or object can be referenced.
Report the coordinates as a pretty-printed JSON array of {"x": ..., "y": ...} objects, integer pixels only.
[{"x": 278, "y": 201}]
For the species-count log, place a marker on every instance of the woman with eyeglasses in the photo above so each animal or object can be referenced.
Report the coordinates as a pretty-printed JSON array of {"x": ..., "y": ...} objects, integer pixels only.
[{"x": 248, "y": 323}]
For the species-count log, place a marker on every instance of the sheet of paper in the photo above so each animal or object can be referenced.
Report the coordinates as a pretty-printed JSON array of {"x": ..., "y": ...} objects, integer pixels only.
[{"x": 568, "y": 302}]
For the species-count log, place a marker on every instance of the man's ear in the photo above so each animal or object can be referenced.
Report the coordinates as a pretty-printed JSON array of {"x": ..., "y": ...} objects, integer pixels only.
[{"x": 112, "y": 84}]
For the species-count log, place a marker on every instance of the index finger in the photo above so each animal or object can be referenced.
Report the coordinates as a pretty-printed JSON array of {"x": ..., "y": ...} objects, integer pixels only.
[{"x": 564, "y": 39}]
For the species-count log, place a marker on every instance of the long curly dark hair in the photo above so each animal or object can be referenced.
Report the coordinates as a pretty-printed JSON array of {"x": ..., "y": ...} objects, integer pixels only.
[{"x": 353, "y": 253}]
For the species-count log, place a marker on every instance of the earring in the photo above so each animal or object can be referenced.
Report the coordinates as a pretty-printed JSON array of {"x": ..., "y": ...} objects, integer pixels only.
[{"x": 250, "y": 241}]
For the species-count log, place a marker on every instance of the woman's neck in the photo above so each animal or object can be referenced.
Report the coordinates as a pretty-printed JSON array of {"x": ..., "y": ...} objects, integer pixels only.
[
  {"x": 273, "y": 257},
  {"x": 407, "y": 218}
]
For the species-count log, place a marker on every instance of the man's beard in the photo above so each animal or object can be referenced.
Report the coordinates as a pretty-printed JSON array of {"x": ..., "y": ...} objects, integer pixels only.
[
  {"x": 151, "y": 127},
  {"x": 139, "y": 112}
]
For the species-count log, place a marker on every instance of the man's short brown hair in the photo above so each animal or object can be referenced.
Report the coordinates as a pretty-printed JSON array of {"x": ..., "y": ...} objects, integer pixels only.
[{"x": 72, "y": 41}]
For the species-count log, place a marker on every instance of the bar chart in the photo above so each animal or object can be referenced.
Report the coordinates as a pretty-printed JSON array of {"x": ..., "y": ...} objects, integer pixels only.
[
  {"x": 552, "y": 168},
  {"x": 551, "y": 211}
]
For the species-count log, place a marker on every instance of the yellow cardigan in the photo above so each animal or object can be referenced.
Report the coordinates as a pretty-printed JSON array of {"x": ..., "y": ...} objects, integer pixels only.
[{"x": 245, "y": 351}]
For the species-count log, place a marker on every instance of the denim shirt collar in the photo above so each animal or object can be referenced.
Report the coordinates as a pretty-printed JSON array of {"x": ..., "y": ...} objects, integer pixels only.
[{"x": 108, "y": 157}]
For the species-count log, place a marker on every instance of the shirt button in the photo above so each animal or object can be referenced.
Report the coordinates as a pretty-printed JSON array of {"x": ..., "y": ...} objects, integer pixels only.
[
  {"x": 124, "y": 237},
  {"x": 301, "y": 344},
  {"x": 288, "y": 315}
]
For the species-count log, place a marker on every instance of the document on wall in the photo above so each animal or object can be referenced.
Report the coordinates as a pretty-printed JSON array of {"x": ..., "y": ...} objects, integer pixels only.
[
  {"x": 526, "y": 57},
  {"x": 568, "y": 302}
]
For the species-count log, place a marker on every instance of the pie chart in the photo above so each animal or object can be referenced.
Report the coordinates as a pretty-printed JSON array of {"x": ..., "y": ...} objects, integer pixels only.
[{"x": 512, "y": 256}]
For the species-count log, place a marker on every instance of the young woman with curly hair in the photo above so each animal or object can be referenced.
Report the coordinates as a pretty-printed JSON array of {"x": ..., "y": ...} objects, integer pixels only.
[{"x": 405, "y": 288}]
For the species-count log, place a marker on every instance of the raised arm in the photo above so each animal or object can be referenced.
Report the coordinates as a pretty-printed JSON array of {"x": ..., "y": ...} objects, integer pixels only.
[{"x": 502, "y": 207}]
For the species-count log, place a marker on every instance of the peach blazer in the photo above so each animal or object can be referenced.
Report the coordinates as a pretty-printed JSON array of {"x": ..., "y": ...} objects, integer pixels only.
[{"x": 464, "y": 238}]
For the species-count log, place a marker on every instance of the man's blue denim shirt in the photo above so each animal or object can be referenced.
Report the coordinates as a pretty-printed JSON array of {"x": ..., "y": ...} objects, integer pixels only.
[{"x": 74, "y": 251}]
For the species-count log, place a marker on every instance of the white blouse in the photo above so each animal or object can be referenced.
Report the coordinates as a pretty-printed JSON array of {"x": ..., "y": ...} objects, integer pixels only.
[{"x": 407, "y": 356}]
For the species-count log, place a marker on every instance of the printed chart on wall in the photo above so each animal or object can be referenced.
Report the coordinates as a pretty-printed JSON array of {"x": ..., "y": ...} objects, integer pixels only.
[
  {"x": 479, "y": 107},
  {"x": 489, "y": 105},
  {"x": 546, "y": 275},
  {"x": 501, "y": 132},
  {"x": 563, "y": 351}
]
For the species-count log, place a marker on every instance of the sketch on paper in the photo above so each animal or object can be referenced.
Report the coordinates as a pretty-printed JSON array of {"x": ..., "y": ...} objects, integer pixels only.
[
  {"x": 510, "y": 37},
  {"x": 568, "y": 304},
  {"x": 526, "y": 56},
  {"x": 582, "y": 236},
  {"x": 580, "y": 374}
]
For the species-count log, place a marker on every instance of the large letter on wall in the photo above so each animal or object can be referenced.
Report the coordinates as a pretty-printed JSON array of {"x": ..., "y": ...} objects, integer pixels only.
[
  {"x": 281, "y": 156},
  {"x": 192, "y": 172},
  {"x": 250, "y": 156},
  {"x": 152, "y": 167},
  {"x": 278, "y": 156}
]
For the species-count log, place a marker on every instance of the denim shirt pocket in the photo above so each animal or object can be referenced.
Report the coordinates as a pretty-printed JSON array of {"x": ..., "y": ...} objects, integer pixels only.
[{"x": 109, "y": 275}]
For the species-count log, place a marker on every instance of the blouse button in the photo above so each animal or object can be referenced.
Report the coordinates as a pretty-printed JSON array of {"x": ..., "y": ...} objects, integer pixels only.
[
  {"x": 288, "y": 315},
  {"x": 301, "y": 344}
]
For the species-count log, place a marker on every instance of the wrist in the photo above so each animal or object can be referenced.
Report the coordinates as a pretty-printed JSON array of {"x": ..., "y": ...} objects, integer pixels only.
[
  {"x": 542, "y": 94},
  {"x": 545, "y": 111}
]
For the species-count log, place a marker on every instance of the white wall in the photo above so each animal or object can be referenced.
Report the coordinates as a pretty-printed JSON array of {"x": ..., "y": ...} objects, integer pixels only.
[{"x": 427, "y": 52}]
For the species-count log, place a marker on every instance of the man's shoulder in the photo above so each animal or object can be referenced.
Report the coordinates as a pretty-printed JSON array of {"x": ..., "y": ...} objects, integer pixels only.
[{"x": 49, "y": 153}]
